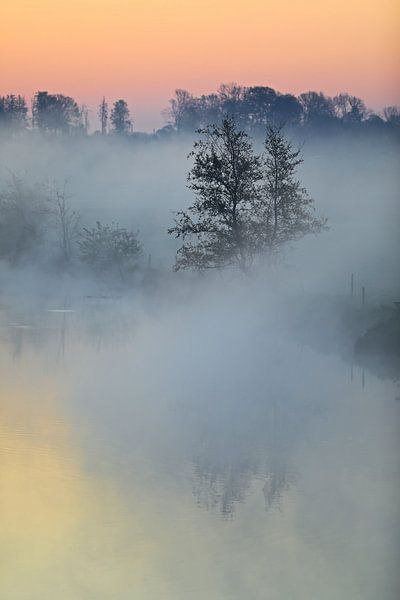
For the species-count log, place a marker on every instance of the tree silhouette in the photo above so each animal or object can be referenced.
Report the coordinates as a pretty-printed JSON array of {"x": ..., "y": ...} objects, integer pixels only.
[
  {"x": 13, "y": 113},
  {"x": 284, "y": 212},
  {"x": 317, "y": 107},
  {"x": 224, "y": 177},
  {"x": 245, "y": 205},
  {"x": 120, "y": 118},
  {"x": 65, "y": 221},
  {"x": 103, "y": 116},
  {"x": 392, "y": 115},
  {"x": 55, "y": 112}
]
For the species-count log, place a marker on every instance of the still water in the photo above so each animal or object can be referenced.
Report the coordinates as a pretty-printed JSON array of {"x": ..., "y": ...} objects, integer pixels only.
[{"x": 190, "y": 454}]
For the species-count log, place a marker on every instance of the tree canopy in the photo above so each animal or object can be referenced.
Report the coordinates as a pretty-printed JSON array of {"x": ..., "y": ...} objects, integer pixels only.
[{"x": 245, "y": 205}]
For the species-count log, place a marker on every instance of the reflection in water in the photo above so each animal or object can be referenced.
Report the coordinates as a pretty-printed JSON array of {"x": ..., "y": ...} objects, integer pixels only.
[
  {"x": 253, "y": 444},
  {"x": 59, "y": 527},
  {"x": 119, "y": 457}
]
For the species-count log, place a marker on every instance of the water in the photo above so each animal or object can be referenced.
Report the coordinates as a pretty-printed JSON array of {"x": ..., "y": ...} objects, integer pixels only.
[{"x": 190, "y": 454}]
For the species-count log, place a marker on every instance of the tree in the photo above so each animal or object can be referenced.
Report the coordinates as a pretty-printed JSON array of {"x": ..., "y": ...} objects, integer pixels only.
[
  {"x": 23, "y": 217},
  {"x": 103, "y": 116},
  {"x": 284, "y": 211},
  {"x": 317, "y": 107},
  {"x": 258, "y": 103},
  {"x": 231, "y": 100},
  {"x": 108, "y": 248},
  {"x": 13, "y": 113},
  {"x": 183, "y": 111},
  {"x": 85, "y": 121},
  {"x": 120, "y": 118},
  {"x": 65, "y": 221},
  {"x": 392, "y": 115},
  {"x": 245, "y": 206},
  {"x": 286, "y": 110},
  {"x": 350, "y": 108},
  {"x": 224, "y": 177},
  {"x": 55, "y": 112}
]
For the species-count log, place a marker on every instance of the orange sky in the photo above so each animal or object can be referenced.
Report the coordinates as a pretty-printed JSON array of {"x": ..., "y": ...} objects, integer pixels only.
[{"x": 142, "y": 50}]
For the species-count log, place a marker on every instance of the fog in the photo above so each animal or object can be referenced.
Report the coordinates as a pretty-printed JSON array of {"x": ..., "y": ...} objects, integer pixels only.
[
  {"x": 203, "y": 435},
  {"x": 354, "y": 183}
]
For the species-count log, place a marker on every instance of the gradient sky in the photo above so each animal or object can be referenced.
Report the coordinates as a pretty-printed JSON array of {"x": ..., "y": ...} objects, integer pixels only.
[{"x": 142, "y": 50}]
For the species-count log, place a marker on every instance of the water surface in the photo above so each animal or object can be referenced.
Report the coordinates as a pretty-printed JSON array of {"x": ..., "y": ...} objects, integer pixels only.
[{"x": 195, "y": 453}]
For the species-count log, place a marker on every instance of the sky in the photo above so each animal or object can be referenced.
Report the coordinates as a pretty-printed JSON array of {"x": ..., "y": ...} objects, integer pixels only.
[{"x": 142, "y": 50}]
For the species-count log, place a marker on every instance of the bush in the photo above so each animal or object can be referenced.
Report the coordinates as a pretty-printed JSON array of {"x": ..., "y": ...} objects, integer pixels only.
[{"x": 109, "y": 248}]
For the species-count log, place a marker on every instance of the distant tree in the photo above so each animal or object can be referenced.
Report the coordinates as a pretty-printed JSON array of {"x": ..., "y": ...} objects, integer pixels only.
[
  {"x": 120, "y": 118},
  {"x": 392, "y": 115},
  {"x": 183, "y": 111},
  {"x": 55, "y": 112},
  {"x": 103, "y": 116},
  {"x": 65, "y": 221},
  {"x": 215, "y": 229},
  {"x": 208, "y": 109},
  {"x": 13, "y": 113},
  {"x": 231, "y": 100},
  {"x": 317, "y": 107},
  {"x": 85, "y": 122},
  {"x": 258, "y": 106},
  {"x": 24, "y": 214},
  {"x": 108, "y": 248},
  {"x": 350, "y": 108},
  {"x": 284, "y": 212},
  {"x": 286, "y": 110}
]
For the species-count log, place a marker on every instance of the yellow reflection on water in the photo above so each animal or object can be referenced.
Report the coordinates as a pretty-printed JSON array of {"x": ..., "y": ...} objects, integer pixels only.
[{"x": 63, "y": 534}]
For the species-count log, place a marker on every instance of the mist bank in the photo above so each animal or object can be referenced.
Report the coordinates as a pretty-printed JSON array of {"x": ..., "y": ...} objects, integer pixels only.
[{"x": 354, "y": 183}]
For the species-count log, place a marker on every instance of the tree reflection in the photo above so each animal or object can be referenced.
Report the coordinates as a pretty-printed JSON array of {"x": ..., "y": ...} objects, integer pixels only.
[{"x": 252, "y": 447}]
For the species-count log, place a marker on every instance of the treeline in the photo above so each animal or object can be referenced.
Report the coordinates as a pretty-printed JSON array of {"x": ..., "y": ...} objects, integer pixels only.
[
  {"x": 56, "y": 113},
  {"x": 255, "y": 108},
  {"x": 252, "y": 108}
]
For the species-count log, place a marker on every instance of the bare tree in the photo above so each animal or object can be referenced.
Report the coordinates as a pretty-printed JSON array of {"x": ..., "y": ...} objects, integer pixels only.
[
  {"x": 392, "y": 115},
  {"x": 65, "y": 221},
  {"x": 85, "y": 123},
  {"x": 103, "y": 116},
  {"x": 182, "y": 111}
]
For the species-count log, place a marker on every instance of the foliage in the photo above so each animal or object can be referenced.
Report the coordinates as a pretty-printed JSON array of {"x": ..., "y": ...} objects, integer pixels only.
[
  {"x": 109, "y": 248},
  {"x": 215, "y": 229},
  {"x": 13, "y": 113},
  {"x": 284, "y": 211},
  {"x": 245, "y": 205},
  {"x": 55, "y": 112},
  {"x": 120, "y": 118},
  {"x": 23, "y": 215},
  {"x": 253, "y": 108}
]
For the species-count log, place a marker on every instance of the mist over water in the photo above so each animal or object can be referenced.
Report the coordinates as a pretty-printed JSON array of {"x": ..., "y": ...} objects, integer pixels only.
[{"x": 201, "y": 436}]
